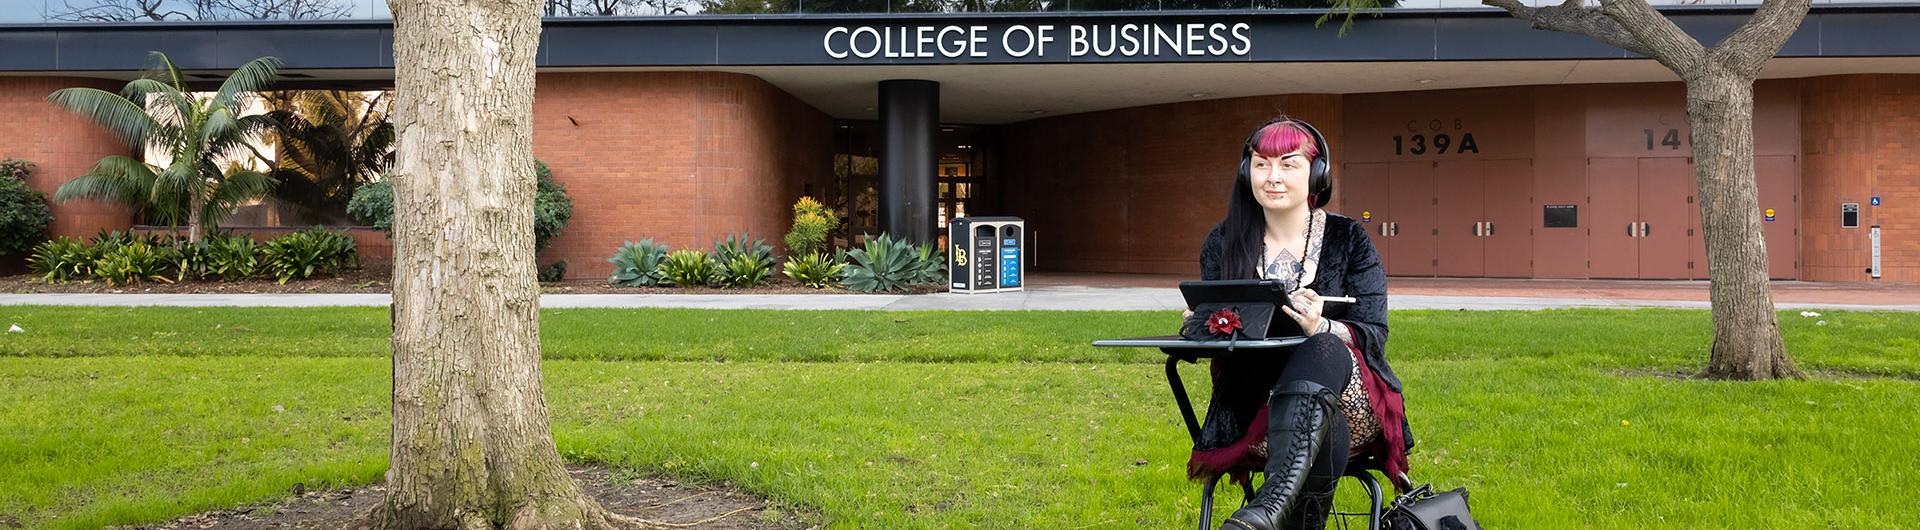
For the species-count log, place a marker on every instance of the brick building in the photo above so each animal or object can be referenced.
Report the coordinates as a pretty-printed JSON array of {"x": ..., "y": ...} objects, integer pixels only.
[{"x": 1471, "y": 145}]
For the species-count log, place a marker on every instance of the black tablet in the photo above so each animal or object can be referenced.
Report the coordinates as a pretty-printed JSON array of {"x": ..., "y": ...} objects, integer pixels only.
[{"x": 1231, "y": 291}]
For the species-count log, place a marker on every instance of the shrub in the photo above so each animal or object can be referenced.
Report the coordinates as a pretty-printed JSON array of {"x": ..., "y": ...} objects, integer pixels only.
[
  {"x": 228, "y": 258},
  {"x": 638, "y": 264},
  {"x": 813, "y": 223},
  {"x": 373, "y": 204},
  {"x": 884, "y": 264},
  {"x": 131, "y": 263},
  {"x": 751, "y": 260},
  {"x": 688, "y": 268},
  {"x": 931, "y": 264},
  {"x": 63, "y": 259},
  {"x": 743, "y": 271},
  {"x": 555, "y": 272},
  {"x": 551, "y": 207},
  {"x": 23, "y": 210},
  {"x": 307, "y": 253},
  {"x": 813, "y": 270}
]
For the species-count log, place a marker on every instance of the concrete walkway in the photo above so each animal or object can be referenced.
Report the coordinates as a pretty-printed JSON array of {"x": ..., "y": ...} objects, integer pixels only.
[{"x": 1053, "y": 294}]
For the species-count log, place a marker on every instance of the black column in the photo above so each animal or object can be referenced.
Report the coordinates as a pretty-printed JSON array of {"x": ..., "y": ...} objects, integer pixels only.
[{"x": 909, "y": 119}]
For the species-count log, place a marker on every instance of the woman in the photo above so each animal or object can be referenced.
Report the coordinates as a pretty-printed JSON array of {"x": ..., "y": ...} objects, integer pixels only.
[{"x": 1329, "y": 396}]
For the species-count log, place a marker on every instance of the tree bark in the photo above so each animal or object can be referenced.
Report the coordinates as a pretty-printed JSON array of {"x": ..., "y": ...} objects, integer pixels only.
[
  {"x": 196, "y": 201},
  {"x": 471, "y": 446},
  {"x": 1746, "y": 329},
  {"x": 1719, "y": 80}
]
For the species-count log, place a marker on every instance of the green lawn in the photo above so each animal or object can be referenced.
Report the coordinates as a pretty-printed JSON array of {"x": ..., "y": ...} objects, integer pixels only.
[{"x": 1556, "y": 419}]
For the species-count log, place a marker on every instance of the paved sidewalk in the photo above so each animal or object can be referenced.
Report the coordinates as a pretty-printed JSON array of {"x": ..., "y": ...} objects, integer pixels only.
[{"x": 1063, "y": 293}]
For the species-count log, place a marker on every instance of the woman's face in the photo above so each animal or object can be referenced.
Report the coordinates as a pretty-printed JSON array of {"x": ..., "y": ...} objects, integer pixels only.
[{"x": 1280, "y": 183}]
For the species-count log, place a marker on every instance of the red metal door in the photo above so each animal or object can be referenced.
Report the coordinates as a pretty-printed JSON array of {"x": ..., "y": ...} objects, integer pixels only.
[
  {"x": 1779, "y": 181},
  {"x": 1413, "y": 218},
  {"x": 1363, "y": 189},
  {"x": 1665, "y": 185},
  {"x": 1461, "y": 191},
  {"x": 1510, "y": 218},
  {"x": 1613, "y": 188}
]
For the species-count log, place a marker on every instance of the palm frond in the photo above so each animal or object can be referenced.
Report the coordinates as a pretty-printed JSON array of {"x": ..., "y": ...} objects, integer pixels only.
[
  {"x": 178, "y": 104},
  {"x": 119, "y": 115},
  {"x": 113, "y": 179},
  {"x": 237, "y": 187},
  {"x": 250, "y": 77},
  {"x": 163, "y": 65}
]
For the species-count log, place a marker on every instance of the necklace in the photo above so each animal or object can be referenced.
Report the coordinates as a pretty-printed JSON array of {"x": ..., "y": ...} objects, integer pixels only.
[{"x": 1297, "y": 267}]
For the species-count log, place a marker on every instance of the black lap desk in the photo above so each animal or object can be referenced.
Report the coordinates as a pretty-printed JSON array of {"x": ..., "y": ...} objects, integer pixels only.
[{"x": 1180, "y": 349}]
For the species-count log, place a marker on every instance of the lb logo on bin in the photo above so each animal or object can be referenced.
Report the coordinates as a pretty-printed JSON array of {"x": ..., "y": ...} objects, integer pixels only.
[
  {"x": 1366, "y": 216},
  {"x": 1769, "y": 213}
]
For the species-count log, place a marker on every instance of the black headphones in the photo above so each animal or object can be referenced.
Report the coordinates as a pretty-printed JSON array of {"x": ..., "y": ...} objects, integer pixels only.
[{"x": 1320, "y": 172}]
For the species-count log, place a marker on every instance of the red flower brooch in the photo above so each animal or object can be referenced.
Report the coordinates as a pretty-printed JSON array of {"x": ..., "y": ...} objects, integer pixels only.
[{"x": 1223, "y": 322}]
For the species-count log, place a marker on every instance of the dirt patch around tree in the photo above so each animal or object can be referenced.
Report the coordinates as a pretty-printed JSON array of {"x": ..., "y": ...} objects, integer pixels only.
[
  {"x": 372, "y": 281},
  {"x": 655, "y": 499}
]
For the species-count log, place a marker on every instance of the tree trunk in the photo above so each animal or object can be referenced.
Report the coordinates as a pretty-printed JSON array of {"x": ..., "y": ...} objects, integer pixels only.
[
  {"x": 1746, "y": 330},
  {"x": 471, "y": 447},
  {"x": 195, "y": 203}
]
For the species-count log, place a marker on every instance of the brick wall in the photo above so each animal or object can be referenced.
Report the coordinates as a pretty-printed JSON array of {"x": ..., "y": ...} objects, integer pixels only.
[
  {"x": 681, "y": 157},
  {"x": 1861, "y": 138},
  {"x": 1135, "y": 190},
  {"x": 62, "y": 145}
]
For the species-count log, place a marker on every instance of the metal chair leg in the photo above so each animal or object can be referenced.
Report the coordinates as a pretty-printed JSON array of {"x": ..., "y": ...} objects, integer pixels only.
[{"x": 1206, "y": 504}]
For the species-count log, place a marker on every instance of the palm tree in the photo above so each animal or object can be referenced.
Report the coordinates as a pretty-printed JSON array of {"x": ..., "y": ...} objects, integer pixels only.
[
  {"x": 158, "y": 112},
  {"x": 331, "y": 142}
]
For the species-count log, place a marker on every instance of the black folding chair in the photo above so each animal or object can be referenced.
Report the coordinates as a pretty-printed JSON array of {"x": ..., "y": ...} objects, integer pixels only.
[{"x": 1178, "y": 349}]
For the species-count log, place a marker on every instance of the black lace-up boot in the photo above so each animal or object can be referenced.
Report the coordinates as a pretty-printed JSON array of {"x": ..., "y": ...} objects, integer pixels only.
[{"x": 1297, "y": 421}]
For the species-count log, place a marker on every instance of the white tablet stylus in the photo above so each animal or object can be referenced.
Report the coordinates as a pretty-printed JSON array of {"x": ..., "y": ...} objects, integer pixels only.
[{"x": 1341, "y": 299}]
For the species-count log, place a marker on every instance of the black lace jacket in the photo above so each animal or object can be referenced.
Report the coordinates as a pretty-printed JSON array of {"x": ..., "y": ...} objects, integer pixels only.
[{"x": 1349, "y": 266}]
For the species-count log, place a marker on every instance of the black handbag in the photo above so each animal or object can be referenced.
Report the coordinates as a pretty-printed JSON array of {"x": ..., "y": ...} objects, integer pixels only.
[
  {"x": 1255, "y": 318},
  {"x": 1424, "y": 509}
]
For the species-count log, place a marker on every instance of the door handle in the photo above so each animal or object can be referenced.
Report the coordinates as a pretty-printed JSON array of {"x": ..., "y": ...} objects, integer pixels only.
[
  {"x": 1476, "y": 229},
  {"x": 1645, "y": 229},
  {"x": 1489, "y": 228},
  {"x": 1383, "y": 229},
  {"x": 1633, "y": 229}
]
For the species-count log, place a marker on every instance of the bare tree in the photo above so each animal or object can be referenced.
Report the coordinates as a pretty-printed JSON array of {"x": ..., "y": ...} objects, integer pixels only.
[
  {"x": 1719, "y": 80},
  {"x": 161, "y": 10},
  {"x": 602, "y": 8},
  {"x": 131, "y": 10}
]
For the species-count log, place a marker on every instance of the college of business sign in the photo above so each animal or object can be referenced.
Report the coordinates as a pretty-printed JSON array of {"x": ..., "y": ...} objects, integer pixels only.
[{"x": 1073, "y": 41}]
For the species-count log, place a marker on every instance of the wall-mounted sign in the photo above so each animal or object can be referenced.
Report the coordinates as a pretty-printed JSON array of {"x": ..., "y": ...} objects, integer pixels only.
[
  {"x": 1849, "y": 215},
  {"x": 1875, "y": 201},
  {"x": 1769, "y": 213},
  {"x": 1562, "y": 216},
  {"x": 1366, "y": 216},
  {"x": 1145, "y": 39}
]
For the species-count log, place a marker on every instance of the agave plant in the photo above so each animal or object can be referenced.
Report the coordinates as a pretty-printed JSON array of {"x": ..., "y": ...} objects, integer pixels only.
[
  {"x": 688, "y": 268},
  {"x": 813, "y": 270},
  {"x": 738, "y": 254},
  {"x": 932, "y": 263},
  {"x": 158, "y": 111},
  {"x": 638, "y": 264},
  {"x": 743, "y": 272},
  {"x": 882, "y": 264}
]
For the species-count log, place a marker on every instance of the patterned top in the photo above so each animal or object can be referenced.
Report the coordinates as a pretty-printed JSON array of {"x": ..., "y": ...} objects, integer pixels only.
[{"x": 1293, "y": 272}]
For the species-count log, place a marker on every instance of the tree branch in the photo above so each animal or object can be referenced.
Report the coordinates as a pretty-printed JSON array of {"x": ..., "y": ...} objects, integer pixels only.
[
  {"x": 1667, "y": 42},
  {"x": 1761, "y": 37},
  {"x": 1573, "y": 17}
]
